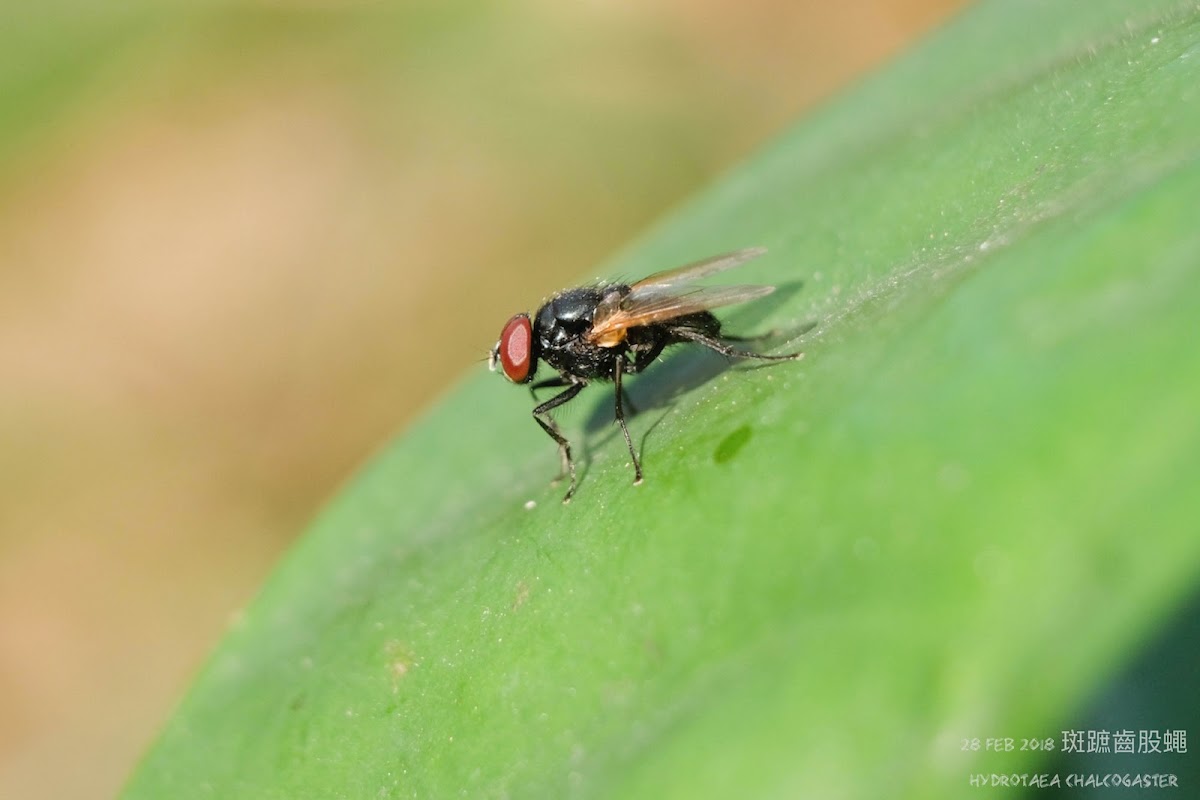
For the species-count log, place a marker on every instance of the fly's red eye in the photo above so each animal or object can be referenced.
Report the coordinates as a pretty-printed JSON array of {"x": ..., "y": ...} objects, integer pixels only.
[{"x": 516, "y": 345}]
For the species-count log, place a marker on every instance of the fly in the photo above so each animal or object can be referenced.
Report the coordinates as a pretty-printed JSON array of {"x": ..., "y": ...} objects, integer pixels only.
[{"x": 604, "y": 332}]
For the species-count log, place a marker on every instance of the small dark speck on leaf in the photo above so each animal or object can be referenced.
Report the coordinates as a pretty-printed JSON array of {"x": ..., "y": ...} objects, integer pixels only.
[{"x": 732, "y": 444}]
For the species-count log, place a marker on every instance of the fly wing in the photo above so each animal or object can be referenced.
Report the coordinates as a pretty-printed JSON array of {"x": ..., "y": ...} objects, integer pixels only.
[
  {"x": 700, "y": 269},
  {"x": 647, "y": 304}
]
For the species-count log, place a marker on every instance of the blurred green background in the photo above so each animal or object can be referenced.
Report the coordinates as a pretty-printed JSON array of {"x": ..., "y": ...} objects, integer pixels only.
[{"x": 241, "y": 243}]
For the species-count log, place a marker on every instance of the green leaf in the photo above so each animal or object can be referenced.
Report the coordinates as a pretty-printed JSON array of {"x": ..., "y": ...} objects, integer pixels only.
[{"x": 955, "y": 518}]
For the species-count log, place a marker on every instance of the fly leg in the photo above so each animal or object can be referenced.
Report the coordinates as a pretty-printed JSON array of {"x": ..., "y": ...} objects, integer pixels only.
[
  {"x": 549, "y": 383},
  {"x": 693, "y": 335},
  {"x": 761, "y": 337},
  {"x": 542, "y": 415},
  {"x": 636, "y": 361},
  {"x": 644, "y": 357},
  {"x": 637, "y": 467}
]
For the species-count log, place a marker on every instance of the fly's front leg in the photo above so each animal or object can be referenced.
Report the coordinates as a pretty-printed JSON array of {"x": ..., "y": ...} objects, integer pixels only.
[
  {"x": 549, "y": 383},
  {"x": 542, "y": 415},
  {"x": 637, "y": 467}
]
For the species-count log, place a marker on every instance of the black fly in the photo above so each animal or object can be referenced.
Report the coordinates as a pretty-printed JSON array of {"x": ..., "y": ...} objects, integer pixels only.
[{"x": 604, "y": 332}]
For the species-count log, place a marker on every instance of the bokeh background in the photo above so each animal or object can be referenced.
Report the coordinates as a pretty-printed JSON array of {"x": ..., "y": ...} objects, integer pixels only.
[{"x": 242, "y": 243}]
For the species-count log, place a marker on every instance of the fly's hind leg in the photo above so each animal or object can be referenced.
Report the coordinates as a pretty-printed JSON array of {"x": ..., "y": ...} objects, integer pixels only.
[
  {"x": 717, "y": 345},
  {"x": 771, "y": 334},
  {"x": 761, "y": 337},
  {"x": 542, "y": 415}
]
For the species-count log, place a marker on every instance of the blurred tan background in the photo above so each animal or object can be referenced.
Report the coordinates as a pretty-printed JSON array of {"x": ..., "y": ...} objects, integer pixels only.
[{"x": 243, "y": 243}]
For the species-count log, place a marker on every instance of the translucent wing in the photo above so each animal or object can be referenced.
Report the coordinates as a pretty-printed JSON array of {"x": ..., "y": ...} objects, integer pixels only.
[
  {"x": 700, "y": 269},
  {"x": 669, "y": 294},
  {"x": 614, "y": 318}
]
